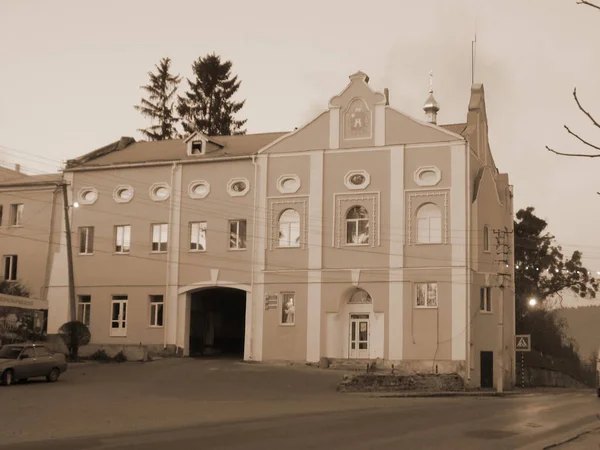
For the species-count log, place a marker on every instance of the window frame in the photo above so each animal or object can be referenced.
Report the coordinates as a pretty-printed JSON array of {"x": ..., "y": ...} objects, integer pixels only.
[
  {"x": 426, "y": 305},
  {"x": 11, "y": 268},
  {"x": 122, "y": 299},
  {"x": 16, "y": 214},
  {"x": 418, "y": 220},
  {"x": 356, "y": 223},
  {"x": 159, "y": 243},
  {"x": 116, "y": 240},
  {"x": 485, "y": 300},
  {"x": 238, "y": 239},
  {"x": 84, "y": 309},
  {"x": 291, "y": 244},
  {"x": 153, "y": 311},
  {"x": 191, "y": 234},
  {"x": 89, "y": 240},
  {"x": 282, "y": 300}
]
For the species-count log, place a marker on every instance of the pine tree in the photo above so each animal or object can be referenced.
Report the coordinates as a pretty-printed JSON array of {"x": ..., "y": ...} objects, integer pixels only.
[
  {"x": 159, "y": 106},
  {"x": 207, "y": 106}
]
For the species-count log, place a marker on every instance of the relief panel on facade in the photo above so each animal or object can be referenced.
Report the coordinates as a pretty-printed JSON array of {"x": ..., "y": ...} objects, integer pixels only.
[{"x": 358, "y": 120}]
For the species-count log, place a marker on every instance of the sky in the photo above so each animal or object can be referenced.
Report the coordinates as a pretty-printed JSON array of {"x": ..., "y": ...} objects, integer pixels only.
[{"x": 71, "y": 71}]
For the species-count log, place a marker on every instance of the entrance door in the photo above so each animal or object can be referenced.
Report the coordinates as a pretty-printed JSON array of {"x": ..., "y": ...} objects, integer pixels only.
[
  {"x": 359, "y": 336},
  {"x": 487, "y": 369},
  {"x": 118, "y": 322}
]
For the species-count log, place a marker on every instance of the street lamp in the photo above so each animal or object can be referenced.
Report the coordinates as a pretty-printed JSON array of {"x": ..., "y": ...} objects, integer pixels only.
[{"x": 532, "y": 302}]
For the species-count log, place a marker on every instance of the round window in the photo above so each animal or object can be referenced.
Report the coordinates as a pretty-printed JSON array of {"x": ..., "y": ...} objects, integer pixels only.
[
  {"x": 125, "y": 194},
  {"x": 288, "y": 183},
  {"x": 89, "y": 196},
  {"x": 428, "y": 176},
  {"x": 238, "y": 186},
  {"x": 357, "y": 179},
  {"x": 200, "y": 189},
  {"x": 161, "y": 193}
]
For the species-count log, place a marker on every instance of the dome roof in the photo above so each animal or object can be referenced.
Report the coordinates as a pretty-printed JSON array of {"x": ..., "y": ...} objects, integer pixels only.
[{"x": 431, "y": 104}]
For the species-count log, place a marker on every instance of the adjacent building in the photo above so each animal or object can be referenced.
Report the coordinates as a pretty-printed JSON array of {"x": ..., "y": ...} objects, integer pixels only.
[{"x": 364, "y": 234}]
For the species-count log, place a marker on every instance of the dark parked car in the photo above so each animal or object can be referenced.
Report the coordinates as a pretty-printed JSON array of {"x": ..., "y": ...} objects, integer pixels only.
[{"x": 18, "y": 362}]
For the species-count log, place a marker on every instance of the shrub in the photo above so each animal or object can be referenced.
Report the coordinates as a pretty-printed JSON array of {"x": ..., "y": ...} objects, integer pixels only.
[
  {"x": 100, "y": 355},
  {"x": 120, "y": 357},
  {"x": 74, "y": 334}
]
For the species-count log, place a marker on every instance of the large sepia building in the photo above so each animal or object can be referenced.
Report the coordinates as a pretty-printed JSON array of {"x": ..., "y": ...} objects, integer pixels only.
[{"x": 364, "y": 234}]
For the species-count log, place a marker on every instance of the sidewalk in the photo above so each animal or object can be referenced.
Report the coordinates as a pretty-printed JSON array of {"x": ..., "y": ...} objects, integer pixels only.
[{"x": 527, "y": 392}]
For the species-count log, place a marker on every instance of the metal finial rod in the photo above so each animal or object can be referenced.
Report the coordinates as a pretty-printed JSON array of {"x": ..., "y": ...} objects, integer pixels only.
[{"x": 431, "y": 81}]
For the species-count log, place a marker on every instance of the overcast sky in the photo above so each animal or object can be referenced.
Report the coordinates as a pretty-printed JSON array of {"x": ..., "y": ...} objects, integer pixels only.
[{"x": 71, "y": 70}]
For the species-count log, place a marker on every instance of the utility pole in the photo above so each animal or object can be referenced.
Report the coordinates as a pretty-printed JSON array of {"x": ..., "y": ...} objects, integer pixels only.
[
  {"x": 72, "y": 309},
  {"x": 502, "y": 250}
]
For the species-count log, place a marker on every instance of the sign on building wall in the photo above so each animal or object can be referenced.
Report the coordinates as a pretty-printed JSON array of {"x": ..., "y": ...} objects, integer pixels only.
[
  {"x": 270, "y": 301},
  {"x": 523, "y": 343}
]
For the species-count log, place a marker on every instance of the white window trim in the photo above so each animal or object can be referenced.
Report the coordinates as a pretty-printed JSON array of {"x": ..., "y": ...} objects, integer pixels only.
[
  {"x": 155, "y": 188},
  {"x": 363, "y": 185},
  {"x": 487, "y": 300},
  {"x": 191, "y": 250},
  {"x": 11, "y": 258},
  {"x": 281, "y": 297},
  {"x": 279, "y": 223},
  {"x": 87, "y": 241},
  {"x": 420, "y": 170},
  {"x": 123, "y": 187},
  {"x": 153, "y": 312},
  {"x": 240, "y": 193},
  {"x": 346, "y": 220},
  {"x": 14, "y": 215},
  {"x": 288, "y": 190},
  {"x": 82, "y": 307},
  {"x": 115, "y": 243},
  {"x": 237, "y": 249},
  {"x": 437, "y": 296},
  {"x": 152, "y": 242},
  {"x": 417, "y": 219},
  {"x": 196, "y": 183},
  {"x": 81, "y": 195},
  {"x": 121, "y": 331}
]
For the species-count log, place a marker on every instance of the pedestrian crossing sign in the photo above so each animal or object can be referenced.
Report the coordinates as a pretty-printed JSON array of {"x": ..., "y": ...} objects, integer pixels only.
[{"x": 523, "y": 342}]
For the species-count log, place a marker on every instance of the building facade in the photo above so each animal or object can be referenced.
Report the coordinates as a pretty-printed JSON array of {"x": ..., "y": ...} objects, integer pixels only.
[{"x": 364, "y": 234}]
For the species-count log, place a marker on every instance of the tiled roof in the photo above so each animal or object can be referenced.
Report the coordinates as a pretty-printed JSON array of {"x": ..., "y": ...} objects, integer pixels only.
[
  {"x": 457, "y": 128},
  {"x": 173, "y": 150},
  {"x": 32, "y": 180}
]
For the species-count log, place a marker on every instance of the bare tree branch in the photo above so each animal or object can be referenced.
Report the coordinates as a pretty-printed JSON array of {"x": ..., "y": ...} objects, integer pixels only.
[
  {"x": 581, "y": 139},
  {"x": 572, "y": 154},
  {"x": 582, "y": 109},
  {"x": 584, "y": 2}
]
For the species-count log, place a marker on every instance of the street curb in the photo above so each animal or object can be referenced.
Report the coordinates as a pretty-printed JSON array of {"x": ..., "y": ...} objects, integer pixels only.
[{"x": 442, "y": 394}]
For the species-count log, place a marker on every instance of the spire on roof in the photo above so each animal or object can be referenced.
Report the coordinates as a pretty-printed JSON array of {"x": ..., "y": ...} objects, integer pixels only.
[{"x": 431, "y": 107}]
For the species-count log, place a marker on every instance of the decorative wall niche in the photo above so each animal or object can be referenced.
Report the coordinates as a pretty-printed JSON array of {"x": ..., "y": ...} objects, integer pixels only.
[
  {"x": 160, "y": 192},
  {"x": 198, "y": 189},
  {"x": 87, "y": 195},
  {"x": 426, "y": 197},
  {"x": 123, "y": 193},
  {"x": 288, "y": 184},
  {"x": 428, "y": 176},
  {"x": 357, "y": 179},
  {"x": 238, "y": 187}
]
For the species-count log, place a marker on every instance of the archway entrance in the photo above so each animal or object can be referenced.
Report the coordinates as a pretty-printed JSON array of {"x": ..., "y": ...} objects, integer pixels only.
[{"x": 217, "y": 322}]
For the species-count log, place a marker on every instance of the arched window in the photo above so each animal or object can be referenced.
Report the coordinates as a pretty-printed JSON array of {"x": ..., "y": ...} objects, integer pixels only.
[
  {"x": 429, "y": 224},
  {"x": 357, "y": 225},
  {"x": 289, "y": 228}
]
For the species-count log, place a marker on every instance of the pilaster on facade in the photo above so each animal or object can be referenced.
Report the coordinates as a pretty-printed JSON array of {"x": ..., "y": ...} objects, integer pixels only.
[{"x": 172, "y": 285}]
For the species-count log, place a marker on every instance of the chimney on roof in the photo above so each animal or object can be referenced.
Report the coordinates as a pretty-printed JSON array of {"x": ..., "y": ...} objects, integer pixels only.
[
  {"x": 386, "y": 92},
  {"x": 18, "y": 168}
]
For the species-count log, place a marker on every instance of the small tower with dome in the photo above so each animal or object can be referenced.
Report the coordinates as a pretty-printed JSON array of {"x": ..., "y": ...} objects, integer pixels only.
[{"x": 431, "y": 107}]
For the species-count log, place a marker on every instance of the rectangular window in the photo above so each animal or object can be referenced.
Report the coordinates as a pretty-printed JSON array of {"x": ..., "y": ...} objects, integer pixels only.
[
  {"x": 122, "y": 238},
  {"x": 10, "y": 267},
  {"x": 288, "y": 308},
  {"x": 1, "y": 215},
  {"x": 485, "y": 299},
  {"x": 156, "y": 310},
  {"x": 198, "y": 236},
  {"x": 84, "y": 308},
  {"x": 429, "y": 230},
  {"x": 16, "y": 214},
  {"x": 486, "y": 239},
  {"x": 86, "y": 240},
  {"x": 118, "y": 316},
  {"x": 427, "y": 295},
  {"x": 160, "y": 233},
  {"x": 237, "y": 234}
]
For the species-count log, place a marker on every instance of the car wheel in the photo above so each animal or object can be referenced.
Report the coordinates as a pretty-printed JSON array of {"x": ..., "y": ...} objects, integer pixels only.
[
  {"x": 53, "y": 375},
  {"x": 8, "y": 378}
]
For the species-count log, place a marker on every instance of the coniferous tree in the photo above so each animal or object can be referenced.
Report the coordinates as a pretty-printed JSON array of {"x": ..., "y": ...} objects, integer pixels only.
[
  {"x": 207, "y": 106},
  {"x": 159, "y": 106}
]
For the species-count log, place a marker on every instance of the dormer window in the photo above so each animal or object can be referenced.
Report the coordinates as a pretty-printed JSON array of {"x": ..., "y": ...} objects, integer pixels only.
[{"x": 197, "y": 148}]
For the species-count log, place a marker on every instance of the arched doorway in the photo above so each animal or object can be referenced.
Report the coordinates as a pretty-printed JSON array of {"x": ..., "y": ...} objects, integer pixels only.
[{"x": 217, "y": 322}]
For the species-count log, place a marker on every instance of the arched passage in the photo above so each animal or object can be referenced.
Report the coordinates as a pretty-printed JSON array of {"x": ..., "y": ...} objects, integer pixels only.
[{"x": 217, "y": 322}]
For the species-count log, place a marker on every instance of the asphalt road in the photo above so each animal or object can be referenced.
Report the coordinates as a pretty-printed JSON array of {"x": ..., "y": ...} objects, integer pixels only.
[
  {"x": 402, "y": 423},
  {"x": 191, "y": 404}
]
